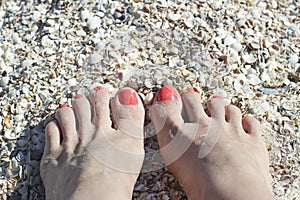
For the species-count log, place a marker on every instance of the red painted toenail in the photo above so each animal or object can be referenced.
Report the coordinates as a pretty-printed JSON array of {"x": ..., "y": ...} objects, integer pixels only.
[
  {"x": 63, "y": 105},
  {"x": 78, "y": 96},
  {"x": 98, "y": 88},
  {"x": 127, "y": 97},
  {"x": 192, "y": 90},
  {"x": 166, "y": 93},
  {"x": 217, "y": 97}
]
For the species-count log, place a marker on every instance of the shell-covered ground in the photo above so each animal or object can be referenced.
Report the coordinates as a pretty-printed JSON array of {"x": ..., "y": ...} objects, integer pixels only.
[{"x": 247, "y": 51}]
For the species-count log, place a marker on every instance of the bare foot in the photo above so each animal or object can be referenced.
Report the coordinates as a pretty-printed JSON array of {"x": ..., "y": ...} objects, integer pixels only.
[
  {"x": 218, "y": 157},
  {"x": 84, "y": 158}
]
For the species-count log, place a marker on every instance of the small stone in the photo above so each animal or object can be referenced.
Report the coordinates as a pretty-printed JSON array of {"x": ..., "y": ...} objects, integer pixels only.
[
  {"x": 174, "y": 17},
  {"x": 293, "y": 59},
  {"x": 237, "y": 46},
  {"x": 229, "y": 40},
  {"x": 26, "y": 63},
  {"x": 189, "y": 22}
]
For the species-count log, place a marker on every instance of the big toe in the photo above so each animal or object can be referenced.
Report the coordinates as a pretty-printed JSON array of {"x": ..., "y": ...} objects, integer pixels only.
[{"x": 128, "y": 112}]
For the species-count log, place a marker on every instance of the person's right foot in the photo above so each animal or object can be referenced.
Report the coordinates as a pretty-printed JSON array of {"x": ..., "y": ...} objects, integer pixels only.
[{"x": 218, "y": 157}]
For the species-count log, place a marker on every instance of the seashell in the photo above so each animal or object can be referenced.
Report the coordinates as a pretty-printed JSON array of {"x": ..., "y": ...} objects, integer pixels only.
[
  {"x": 174, "y": 17},
  {"x": 149, "y": 98},
  {"x": 4, "y": 81},
  {"x": 149, "y": 83},
  {"x": 189, "y": 22},
  {"x": 293, "y": 59},
  {"x": 93, "y": 22},
  {"x": 253, "y": 79},
  {"x": 229, "y": 40},
  {"x": 249, "y": 58},
  {"x": 72, "y": 82},
  {"x": 10, "y": 135},
  {"x": 94, "y": 58}
]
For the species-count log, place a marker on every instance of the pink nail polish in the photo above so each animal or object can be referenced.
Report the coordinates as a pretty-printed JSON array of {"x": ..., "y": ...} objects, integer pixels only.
[
  {"x": 78, "y": 96},
  {"x": 166, "y": 93},
  {"x": 128, "y": 97},
  {"x": 98, "y": 88},
  {"x": 63, "y": 105}
]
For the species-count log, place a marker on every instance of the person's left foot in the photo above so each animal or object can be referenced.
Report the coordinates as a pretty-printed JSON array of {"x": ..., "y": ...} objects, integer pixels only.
[{"x": 84, "y": 157}]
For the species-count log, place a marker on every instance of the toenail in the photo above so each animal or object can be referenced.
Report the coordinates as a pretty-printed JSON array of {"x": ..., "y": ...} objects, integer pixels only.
[
  {"x": 166, "y": 93},
  {"x": 63, "y": 105},
  {"x": 217, "y": 97},
  {"x": 192, "y": 89},
  {"x": 98, "y": 88},
  {"x": 78, "y": 96},
  {"x": 127, "y": 97}
]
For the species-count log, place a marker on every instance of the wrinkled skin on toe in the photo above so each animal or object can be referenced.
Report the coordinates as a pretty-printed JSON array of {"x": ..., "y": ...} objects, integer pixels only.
[{"x": 233, "y": 161}]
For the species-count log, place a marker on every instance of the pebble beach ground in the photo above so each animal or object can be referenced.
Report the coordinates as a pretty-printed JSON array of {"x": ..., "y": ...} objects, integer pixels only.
[{"x": 246, "y": 51}]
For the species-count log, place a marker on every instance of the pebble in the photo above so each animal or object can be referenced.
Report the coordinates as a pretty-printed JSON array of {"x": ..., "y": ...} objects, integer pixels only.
[{"x": 72, "y": 82}]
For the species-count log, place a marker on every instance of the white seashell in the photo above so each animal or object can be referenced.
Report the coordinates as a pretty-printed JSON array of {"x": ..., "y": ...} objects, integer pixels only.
[
  {"x": 114, "y": 45},
  {"x": 93, "y": 23},
  {"x": 94, "y": 58},
  {"x": 149, "y": 98},
  {"x": 4, "y": 81},
  {"x": 229, "y": 40},
  {"x": 189, "y": 22},
  {"x": 293, "y": 59},
  {"x": 26, "y": 63},
  {"x": 253, "y": 79},
  {"x": 149, "y": 83},
  {"x": 237, "y": 46},
  {"x": 249, "y": 58},
  {"x": 10, "y": 134},
  {"x": 174, "y": 17},
  {"x": 72, "y": 82}
]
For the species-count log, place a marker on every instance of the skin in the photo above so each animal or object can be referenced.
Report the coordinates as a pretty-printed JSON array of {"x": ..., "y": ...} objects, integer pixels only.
[{"x": 79, "y": 160}]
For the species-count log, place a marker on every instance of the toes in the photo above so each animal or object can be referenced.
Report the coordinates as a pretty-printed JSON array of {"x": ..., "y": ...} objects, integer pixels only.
[
  {"x": 252, "y": 126},
  {"x": 216, "y": 108},
  {"x": 165, "y": 114},
  {"x": 82, "y": 110},
  {"x": 99, "y": 99},
  {"x": 192, "y": 104},
  {"x": 52, "y": 138},
  {"x": 128, "y": 112},
  {"x": 66, "y": 121},
  {"x": 233, "y": 114}
]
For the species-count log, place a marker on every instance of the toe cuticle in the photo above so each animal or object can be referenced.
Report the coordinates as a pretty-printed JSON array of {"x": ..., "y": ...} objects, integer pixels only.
[
  {"x": 166, "y": 93},
  {"x": 128, "y": 97},
  {"x": 78, "y": 96},
  {"x": 63, "y": 105},
  {"x": 192, "y": 89},
  {"x": 98, "y": 88}
]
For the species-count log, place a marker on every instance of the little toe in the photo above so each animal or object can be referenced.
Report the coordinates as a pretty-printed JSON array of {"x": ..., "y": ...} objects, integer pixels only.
[
  {"x": 193, "y": 107},
  {"x": 99, "y": 99},
  {"x": 252, "y": 126},
  {"x": 66, "y": 121},
  {"x": 165, "y": 114},
  {"x": 52, "y": 138},
  {"x": 128, "y": 112},
  {"x": 216, "y": 108},
  {"x": 83, "y": 115}
]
